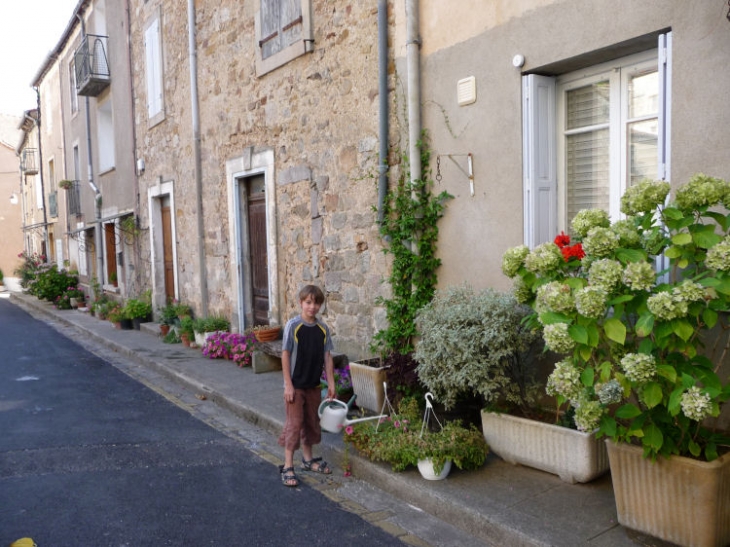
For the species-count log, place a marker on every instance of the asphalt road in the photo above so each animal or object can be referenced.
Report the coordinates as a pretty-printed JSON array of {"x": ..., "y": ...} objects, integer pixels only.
[{"x": 91, "y": 457}]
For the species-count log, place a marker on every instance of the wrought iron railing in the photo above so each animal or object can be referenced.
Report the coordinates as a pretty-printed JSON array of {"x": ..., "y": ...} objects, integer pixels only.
[
  {"x": 73, "y": 195},
  {"x": 92, "y": 65},
  {"x": 29, "y": 161}
]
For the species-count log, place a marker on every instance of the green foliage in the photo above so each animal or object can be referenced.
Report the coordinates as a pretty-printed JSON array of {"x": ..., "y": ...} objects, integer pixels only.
[
  {"x": 168, "y": 313},
  {"x": 476, "y": 342},
  {"x": 139, "y": 308},
  {"x": 171, "y": 337},
  {"x": 397, "y": 440},
  {"x": 632, "y": 337},
  {"x": 115, "y": 313},
  {"x": 212, "y": 323},
  {"x": 410, "y": 227},
  {"x": 186, "y": 327},
  {"x": 2, "y": 276},
  {"x": 50, "y": 283}
]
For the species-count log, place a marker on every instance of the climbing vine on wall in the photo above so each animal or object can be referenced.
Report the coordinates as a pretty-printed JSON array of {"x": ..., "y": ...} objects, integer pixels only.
[{"x": 410, "y": 229}]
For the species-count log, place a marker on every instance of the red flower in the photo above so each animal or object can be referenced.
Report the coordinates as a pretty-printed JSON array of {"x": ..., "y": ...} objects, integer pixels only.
[
  {"x": 574, "y": 251},
  {"x": 562, "y": 239}
]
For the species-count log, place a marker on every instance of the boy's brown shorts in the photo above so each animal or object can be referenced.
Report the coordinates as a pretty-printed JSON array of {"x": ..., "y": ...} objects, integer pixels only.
[{"x": 302, "y": 420}]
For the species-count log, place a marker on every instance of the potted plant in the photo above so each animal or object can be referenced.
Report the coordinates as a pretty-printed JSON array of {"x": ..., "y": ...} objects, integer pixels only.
[
  {"x": 115, "y": 314},
  {"x": 186, "y": 331},
  {"x": 167, "y": 315},
  {"x": 368, "y": 378},
  {"x": 343, "y": 384},
  {"x": 477, "y": 342},
  {"x": 203, "y": 327},
  {"x": 138, "y": 310},
  {"x": 633, "y": 337},
  {"x": 2, "y": 277},
  {"x": 266, "y": 333},
  {"x": 400, "y": 440},
  {"x": 66, "y": 184}
]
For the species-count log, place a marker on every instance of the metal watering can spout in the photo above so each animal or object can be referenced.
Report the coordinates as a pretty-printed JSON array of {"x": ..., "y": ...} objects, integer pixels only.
[{"x": 333, "y": 415}]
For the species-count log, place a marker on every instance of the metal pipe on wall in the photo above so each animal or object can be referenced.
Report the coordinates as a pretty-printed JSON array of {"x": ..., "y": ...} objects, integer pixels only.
[
  {"x": 413, "y": 46},
  {"x": 383, "y": 108},
  {"x": 195, "y": 113}
]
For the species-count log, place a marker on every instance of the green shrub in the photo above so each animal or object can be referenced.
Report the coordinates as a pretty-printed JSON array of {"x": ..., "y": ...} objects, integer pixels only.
[
  {"x": 475, "y": 342},
  {"x": 137, "y": 309},
  {"x": 50, "y": 283}
]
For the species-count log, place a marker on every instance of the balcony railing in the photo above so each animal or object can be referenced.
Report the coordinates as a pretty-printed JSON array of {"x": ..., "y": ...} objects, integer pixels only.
[
  {"x": 73, "y": 195},
  {"x": 29, "y": 161},
  {"x": 92, "y": 66}
]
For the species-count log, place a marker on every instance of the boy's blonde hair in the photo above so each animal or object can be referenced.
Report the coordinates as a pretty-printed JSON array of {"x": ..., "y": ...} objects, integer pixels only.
[{"x": 311, "y": 290}]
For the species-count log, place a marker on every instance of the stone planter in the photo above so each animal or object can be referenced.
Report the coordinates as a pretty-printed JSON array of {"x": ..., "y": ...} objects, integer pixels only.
[
  {"x": 367, "y": 384},
  {"x": 572, "y": 455},
  {"x": 680, "y": 500}
]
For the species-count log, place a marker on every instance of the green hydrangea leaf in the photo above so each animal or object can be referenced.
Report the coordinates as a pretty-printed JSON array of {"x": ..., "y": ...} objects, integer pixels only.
[
  {"x": 653, "y": 437},
  {"x": 682, "y": 328},
  {"x": 587, "y": 376},
  {"x": 706, "y": 239},
  {"x": 627, "y": 411},
  {"x": 675, "y": 400},
  {"x": 578, "y": 333},
  {"x": 709, "y": 316},
  {"x": 652, "y": 394},
  {"x": 673, "y": 252},
  {"x": 682, "y": 239},
  {"x": 694, "y": 448},
  {"x": 644, "y": 325},
  {"x": 615, "y": 330},
  {"x": 668, "y": 372}
]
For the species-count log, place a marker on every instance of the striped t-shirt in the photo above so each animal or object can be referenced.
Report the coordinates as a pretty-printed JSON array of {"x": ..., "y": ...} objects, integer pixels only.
[{"x": 307, "y": 344}]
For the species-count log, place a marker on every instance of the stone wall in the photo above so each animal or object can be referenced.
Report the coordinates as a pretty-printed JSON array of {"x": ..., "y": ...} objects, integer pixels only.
[{"x": 318, "y": 113}]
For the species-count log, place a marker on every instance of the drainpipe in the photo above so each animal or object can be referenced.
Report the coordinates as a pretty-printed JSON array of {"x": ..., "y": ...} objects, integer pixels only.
[
  {"x": 413, "y": 45},
  {"x": 383, "y": 109},
  {"x": 37, "y": 123},
  {"x": 98, "y": 242},
  {"x": 195, "y": 114}
]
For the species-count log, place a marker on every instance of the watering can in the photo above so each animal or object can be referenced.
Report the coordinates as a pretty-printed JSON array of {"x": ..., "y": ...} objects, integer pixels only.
[{"x": 333, "y": 415}]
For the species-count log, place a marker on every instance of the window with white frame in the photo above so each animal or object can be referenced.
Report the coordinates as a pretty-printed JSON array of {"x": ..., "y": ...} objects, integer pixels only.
[
  {"x": 153, "y": 71},
  {"x": 591, "y": 133},
  {"x": 283, "y": 32}
]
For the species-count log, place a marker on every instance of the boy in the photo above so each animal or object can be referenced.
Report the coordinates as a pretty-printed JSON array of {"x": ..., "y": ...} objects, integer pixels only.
[{"x": 306, "y": 348}]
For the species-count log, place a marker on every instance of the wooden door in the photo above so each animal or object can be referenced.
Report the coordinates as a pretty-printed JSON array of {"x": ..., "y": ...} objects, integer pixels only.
[
  {"x": 256, "y": 209},
  {"x": 167, "y": 250},
  {"x": 111, "y": 253}
]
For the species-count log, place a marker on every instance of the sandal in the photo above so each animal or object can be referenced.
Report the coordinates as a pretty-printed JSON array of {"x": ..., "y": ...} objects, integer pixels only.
[
  {"x": 321, "y": 466},
  {"x": 288, "y": 477}
]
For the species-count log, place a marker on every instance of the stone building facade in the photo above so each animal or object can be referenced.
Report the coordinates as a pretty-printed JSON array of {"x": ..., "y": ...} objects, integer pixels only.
[{"x": 309, "y": 127}]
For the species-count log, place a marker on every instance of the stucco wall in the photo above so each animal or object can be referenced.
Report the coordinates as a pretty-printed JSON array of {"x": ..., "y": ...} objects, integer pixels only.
[
  {"x": 477, "y": 230},
  {"x": 10, "y": 214}
]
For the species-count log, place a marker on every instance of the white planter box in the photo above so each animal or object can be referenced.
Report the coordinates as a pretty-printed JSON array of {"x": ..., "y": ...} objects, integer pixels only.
[
  {"x": 572, "y": 455},
  {"x": 367, "y": 384},
  {"x": 680, "y": 500}
]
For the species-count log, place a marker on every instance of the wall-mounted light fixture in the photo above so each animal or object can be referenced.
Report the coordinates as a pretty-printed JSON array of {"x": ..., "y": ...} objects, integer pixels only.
[
  {"x": 14, "y": 198},
  {"x": 140, "y": 166}
]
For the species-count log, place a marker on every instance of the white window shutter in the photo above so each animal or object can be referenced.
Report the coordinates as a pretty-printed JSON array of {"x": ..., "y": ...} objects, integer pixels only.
[
  {"x": 539, "y": 159},
  {"x": 665, "y": 101},
  {"x": 153, "y": 59}
]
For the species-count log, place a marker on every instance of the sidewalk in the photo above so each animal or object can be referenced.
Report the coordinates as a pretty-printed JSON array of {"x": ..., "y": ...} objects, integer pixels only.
[{"x": 502, "y": 504}]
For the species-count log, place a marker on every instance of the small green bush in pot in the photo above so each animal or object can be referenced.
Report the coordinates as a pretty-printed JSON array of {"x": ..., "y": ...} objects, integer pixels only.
[{"x": 631, "y": 334}]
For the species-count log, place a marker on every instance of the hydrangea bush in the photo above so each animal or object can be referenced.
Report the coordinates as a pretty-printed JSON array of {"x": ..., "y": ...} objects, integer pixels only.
[{"x": 632, "y": 334}]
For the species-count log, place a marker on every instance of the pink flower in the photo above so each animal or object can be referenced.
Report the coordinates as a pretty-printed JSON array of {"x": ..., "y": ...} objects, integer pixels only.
[{"x": 349, "y": 430}]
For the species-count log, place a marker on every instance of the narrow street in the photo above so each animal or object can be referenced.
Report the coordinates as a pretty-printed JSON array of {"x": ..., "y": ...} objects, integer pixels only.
[{"x": 91, "y": 457}]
